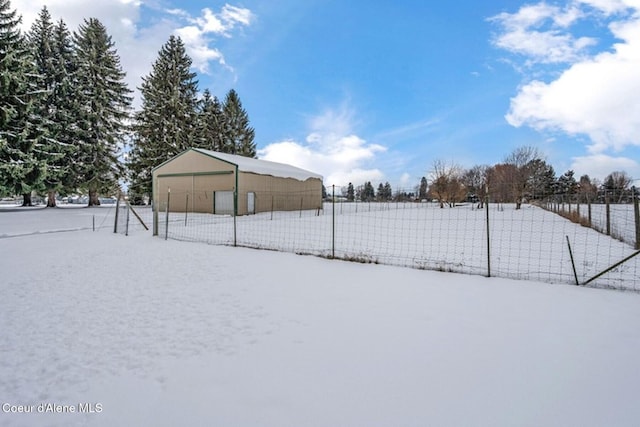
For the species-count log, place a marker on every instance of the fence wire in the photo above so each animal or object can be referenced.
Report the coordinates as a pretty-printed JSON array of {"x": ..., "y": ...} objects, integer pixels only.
[
  {"x": 530, "y": 243},
  {"x": 131, "y": 219}
]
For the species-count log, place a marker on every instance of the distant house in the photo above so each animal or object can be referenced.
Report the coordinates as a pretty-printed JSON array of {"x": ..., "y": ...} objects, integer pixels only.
[{"x": 207, "y": 181}]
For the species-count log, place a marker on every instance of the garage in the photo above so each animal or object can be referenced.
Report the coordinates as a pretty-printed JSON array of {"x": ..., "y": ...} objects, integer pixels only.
[{"x": 205, "y": 181}]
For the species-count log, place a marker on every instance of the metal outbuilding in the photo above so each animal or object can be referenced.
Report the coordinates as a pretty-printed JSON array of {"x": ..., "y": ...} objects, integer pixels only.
[{"x": 205, "y": 181}]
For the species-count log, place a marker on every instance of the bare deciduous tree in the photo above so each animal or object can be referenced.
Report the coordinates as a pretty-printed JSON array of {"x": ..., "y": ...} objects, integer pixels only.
[
  {"x": 446, "y": 183},
  {"x": 475, "y": 181},
  {"x": 587, "y": 189},
  {"x": 616, "y": 183},
  {"x": 499, "y": 181},
  {"x": 521, "y": 159}
]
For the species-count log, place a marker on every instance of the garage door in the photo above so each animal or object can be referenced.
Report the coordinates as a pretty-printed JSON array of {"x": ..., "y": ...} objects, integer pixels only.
[{"x": 223, "y": 202}]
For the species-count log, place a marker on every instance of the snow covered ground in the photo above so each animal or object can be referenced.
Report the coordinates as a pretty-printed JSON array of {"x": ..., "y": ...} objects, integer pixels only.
[
  {"x": 529, "y": 243},
  {"x": 622, "y": 220},
  {"x": 144, "y": 331}
]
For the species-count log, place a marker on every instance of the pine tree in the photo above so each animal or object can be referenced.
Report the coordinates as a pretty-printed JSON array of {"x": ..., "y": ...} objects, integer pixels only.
[
  {"x": 165, "y": 125},
  {"x": 422, "y": 190},
  {"x": 238, "y": 135},
  {"x": 567, "y": 185},
  {"x": 350, "y": 193},
  {"x": 104, "y": 103},
  {"x": 53, "y": 55},
  {"x": 380, "y": 193},
  {"x": 21, "y": 133},
  {"x": 210, "y": 127},
  {"x": 66, "y": 112},
  {"x": 368, "y": 193},
  {"x": 542, "y": 179},
  {"x": 387, "y": 191}
]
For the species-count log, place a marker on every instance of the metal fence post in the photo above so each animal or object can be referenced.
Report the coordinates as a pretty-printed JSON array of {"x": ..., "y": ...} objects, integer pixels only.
[
  {"x": 166, "y": 219},
  {"x": 154, "y": 207},
  {"x": 333, "y": 223},
  {"x": 636, "y": 212},
  {"x": 115, "y": 223},
  {"x": 608, "y": 211},
  {"x": 486, "y": 206},
  {"x": 186, "y": 209},
  {"x": 126, "y": 227},
  {"x": 573, "y": 264}
]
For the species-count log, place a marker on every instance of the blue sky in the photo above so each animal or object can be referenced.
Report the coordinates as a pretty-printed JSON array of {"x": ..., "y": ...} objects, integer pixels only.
[{"x": 377, "y": 90}]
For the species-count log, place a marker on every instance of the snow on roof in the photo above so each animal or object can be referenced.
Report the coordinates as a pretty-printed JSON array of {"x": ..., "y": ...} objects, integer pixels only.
[{"x": 262, "y": 167}]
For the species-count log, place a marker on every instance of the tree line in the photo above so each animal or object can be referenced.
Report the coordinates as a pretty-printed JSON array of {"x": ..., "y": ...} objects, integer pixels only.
[
  {"x": 66, "y": 119},
  {"x": 522, "y": 176}
]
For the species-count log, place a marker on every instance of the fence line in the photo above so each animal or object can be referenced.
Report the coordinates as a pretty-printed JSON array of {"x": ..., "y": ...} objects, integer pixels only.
[
  {"x": 529, "y": 243},
  {"x": 127, "y": 219},
  {"x": 621, "y": 221}
]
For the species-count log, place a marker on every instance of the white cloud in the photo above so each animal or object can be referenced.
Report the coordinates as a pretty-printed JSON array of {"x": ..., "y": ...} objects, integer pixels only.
[
  {"x": 197, "y": 35},
  {"x": 198, "y": 48},
  {"x": 233, "y": 15},
  {"x": 599, "y": 97},
  {"x": 600, "y": 165},
  {"x": 415, "y": 129},
  {"x": 535, "y": 15},
  {"x": 595, "y": 98},
  {"x": 609, "y": 7},
  {"x": 405, "y": 180},
  {"x": 331, "y": 149},
  {"x": 540, "y": 32}
]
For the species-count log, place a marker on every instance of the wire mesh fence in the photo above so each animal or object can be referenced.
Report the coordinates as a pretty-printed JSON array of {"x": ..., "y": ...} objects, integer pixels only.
[
  {"x": 618, "y": 220},
  {"x": 128, "y": 219},
  {"x": 532, "y": 243}
]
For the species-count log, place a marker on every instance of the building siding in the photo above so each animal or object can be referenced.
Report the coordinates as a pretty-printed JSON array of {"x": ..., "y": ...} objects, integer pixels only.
[{"x": 193, "y": 178}]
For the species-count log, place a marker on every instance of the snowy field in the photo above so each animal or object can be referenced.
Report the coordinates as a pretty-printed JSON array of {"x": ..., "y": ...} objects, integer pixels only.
[
  {"x": 621, "y": 219},
  {"x": 141, "y": 331},
  {"x": 529, "y": 244}
]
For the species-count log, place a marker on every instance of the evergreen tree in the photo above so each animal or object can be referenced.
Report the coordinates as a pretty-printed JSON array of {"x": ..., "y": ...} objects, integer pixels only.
[
  {"x": 542, "y": 179},
  {"x": 21, "y": 133},
  {"x": 422, "y": 191},
  {"x": 368, "y": 193},
  {"x": 384, "y": 192},
  {"x": 52, "y": 50},
  {"x": 350, "y": 193},
  {"x": 238, "y": 135},
  {"x": 165, "y": 125},
  {"x": 387, "y": 191},
  {"x": 104, "y": 103},
  {"x": 210, "y": 126},
  {"x": 66, "y": 112},
  {"x": 567, "y": 185}
]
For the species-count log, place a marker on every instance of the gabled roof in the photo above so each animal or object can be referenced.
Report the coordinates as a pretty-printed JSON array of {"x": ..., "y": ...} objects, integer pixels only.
[{"x": 262, "y": 167}]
